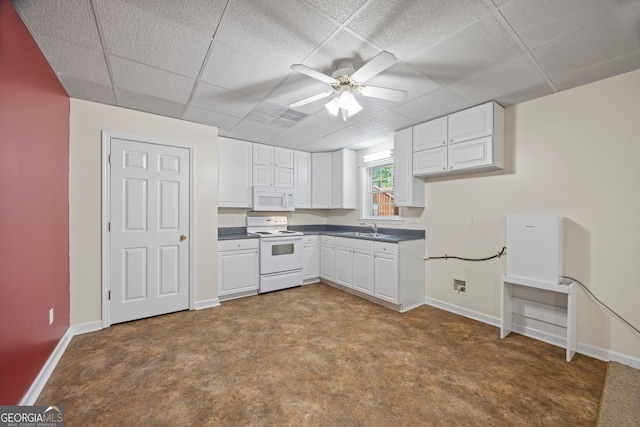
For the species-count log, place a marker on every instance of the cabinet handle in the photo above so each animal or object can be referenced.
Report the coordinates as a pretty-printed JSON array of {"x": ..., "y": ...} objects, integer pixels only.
[
  {"x": 450, "y": 167},
  {"x": 444, "y": 142},
  {"x": 444, "y": 167}
]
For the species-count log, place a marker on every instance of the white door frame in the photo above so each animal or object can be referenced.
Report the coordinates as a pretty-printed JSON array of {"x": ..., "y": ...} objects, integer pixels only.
[{"x": 106, "y": 209}]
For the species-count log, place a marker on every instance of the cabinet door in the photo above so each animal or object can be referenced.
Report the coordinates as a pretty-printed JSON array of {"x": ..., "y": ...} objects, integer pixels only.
[
  {"x": 431, "y": 134},
  {"x": 471, "y": 154},
  {"x": 311, "y": 261},
  {"x": 430, "y": 161},
  {"x": 234, "y": 173},
  {"x": 386, "y": 277},
  {"x": 321, "y": 180},
  {"x": 237, "y": 271},
  {"x": 363, "y": 271},
  {"x": 263, "y": 154},
  {"x": 283, "y": 177},
  {"x": 327, "y": 262},
  {"x": 343, "y": 266},
  {"x": 408, "y": 190},
  {"x": 283, "y": 157},
  {"x": 302, "y": 179},
  {"x": 343, "y": 190},
  {"x": 263, "y": 175},
  {"x": 471, "y": 123}
]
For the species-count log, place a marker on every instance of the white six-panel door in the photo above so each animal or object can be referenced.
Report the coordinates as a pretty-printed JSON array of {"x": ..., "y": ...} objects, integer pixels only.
[{"x": 149, "y": 230}]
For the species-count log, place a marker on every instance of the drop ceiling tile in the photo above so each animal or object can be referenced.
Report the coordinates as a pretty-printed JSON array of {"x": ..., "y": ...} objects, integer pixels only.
[
  {"x": 296, "y": 87},
  {"x": 372, "y": 142},
  {"x": 324, "y": 144},
  {"x": 253, "y": 131},
  {"x": 74, "y": 60},
  {"x": 526, "y": 94},
  {"x": 150, "y": 104},
  {"x": 405, "y": 28},
  {"x": 223, "y": 122},
  {"x": 435, "y": 104},
  {"x": 140, "y": 36},
  {"x": 305, "y": 132},
  {"x": 385, "y": 123},
  {"x": 200, "y": 15},
  {"x": 215, "y": 98},
  {"x": 352, "y": 134},
  {"x": 542, "y": 21},
  {"x": 343, "y": 46},
  {"x": 71, "y": 20},
  {"x": 89, "y": 91},
  {"x": 504, "y": 78},
  {"x": 340, "y": 10},
  {"x": 605, "y": 41},
  {"x": 477, "y": 47},
  {"x": 404, "y": 77},
  {"x": 141, "y": 78},
  {"x": 603, "y": 70}
]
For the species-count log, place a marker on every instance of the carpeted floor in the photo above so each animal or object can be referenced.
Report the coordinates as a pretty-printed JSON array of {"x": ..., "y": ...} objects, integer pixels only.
[
  {"x": 317, "y": 356},
  {"x": 620, "y": 405}
]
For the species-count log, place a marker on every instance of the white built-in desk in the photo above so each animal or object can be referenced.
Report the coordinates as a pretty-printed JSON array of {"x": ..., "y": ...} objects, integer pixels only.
[{"x": 565, "y": 319}]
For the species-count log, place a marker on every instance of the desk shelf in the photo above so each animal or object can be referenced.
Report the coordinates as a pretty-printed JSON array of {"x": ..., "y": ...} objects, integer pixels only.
[{"x": 565, "y": 320}]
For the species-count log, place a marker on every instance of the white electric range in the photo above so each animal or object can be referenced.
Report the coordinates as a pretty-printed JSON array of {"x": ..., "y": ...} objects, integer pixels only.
[{"x": 281, "y": 252}]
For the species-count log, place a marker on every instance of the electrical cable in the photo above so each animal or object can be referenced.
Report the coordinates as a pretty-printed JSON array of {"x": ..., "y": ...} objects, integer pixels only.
[
  {"x": 602, "y": 304},
  {"x": 498, "y": 255}
]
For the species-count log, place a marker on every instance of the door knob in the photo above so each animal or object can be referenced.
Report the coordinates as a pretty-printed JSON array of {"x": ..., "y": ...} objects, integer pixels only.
[{"x": 183, "y": 237}]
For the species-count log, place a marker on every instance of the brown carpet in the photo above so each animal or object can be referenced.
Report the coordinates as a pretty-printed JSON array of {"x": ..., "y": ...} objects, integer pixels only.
[
  {"x": 620, "y": 405},
  {"x": 317, "y": 356}
]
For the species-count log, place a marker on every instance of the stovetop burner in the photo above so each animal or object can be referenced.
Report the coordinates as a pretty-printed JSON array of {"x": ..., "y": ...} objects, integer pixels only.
[{"x": 269, "y": 226}]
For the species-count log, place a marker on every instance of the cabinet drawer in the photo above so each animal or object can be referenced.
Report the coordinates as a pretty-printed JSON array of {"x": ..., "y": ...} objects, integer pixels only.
[
  {"x": 328, "y": 240},
  {"x": 310, "y": 240},
  {"x": 235, "y": 245},
  {"x": 387, "y": 248},
  {"x": 345, "y": 242},
  {"x": 363, "y": 245}
]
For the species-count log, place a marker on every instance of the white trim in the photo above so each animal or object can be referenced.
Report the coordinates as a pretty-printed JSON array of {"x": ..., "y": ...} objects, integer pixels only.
[
  {"x": 85, "y": 328},
  {"x": 582, "y": 348},
  {"x": 106, "y": 204},
  {"x": 494, "y": 321},
  {"x": 209, "y": 303},
  {"x": 38, "y": 384}
]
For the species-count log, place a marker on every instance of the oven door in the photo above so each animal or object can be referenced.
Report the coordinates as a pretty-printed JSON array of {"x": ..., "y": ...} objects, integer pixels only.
[{"x": 280, "y": 254}]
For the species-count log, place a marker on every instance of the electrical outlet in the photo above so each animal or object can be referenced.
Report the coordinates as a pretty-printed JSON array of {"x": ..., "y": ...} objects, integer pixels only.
[
  {"x": 459, "y": 287},
  {"x": 51, "y": 316}
]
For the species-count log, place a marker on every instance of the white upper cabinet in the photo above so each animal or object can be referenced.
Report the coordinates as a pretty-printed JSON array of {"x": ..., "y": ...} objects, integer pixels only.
[
  {"x": 283, "y": 157},
  {"x": 321, "y": 180},
  {"x": 234, "y": 173},
  {"x": 409, "y": 190},
  {"x": 472, "y": 123},
  {"x": 263, "y": 154},
  {"x": 343, "y": 188},
  {"x": 302, "y": 179},
  {"x": 263, "y": 176},
  {"x": 430, "y": 134},
  {"x": 474, "y": 142}
]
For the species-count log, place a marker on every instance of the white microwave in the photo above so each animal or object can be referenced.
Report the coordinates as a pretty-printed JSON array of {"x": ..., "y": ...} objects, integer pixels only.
[{"x": 271, "y": 199}]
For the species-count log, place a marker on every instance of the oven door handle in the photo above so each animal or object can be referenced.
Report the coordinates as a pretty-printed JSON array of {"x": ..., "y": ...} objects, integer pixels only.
[{"x": 282, "y": 239}]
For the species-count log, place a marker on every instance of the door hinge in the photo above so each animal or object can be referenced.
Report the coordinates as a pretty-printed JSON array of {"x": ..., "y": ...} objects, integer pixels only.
[
  {"x": 109, "y": 296},
  {"x": 108, "y": 158},
  {"x": 108, "y": 226}
]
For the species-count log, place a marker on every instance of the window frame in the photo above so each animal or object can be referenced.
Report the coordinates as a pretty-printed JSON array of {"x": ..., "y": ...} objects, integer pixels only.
[{"x": 366, "y": 179}]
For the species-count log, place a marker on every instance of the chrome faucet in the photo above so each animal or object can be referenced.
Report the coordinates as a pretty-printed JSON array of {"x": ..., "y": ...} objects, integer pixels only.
[{"x": 372, "y": 225}]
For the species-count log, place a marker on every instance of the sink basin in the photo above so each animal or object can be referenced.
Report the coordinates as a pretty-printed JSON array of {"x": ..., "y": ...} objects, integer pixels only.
[{"x": 358, "y": 233}]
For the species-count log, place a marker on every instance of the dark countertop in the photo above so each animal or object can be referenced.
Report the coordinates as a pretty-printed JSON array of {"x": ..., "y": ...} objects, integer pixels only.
[{"x": 391, "y": 235}]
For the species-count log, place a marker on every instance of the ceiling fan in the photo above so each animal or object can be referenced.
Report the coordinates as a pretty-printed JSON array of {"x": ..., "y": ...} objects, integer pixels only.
[{"x": 346, "y": 81}]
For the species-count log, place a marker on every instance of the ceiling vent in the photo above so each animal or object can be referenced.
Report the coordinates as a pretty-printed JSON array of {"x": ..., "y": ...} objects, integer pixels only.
[{"x": 285, "y": 119}]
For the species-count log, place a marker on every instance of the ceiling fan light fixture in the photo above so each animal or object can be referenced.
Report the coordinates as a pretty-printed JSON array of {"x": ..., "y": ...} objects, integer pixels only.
[{"x": 333, "y": 106}]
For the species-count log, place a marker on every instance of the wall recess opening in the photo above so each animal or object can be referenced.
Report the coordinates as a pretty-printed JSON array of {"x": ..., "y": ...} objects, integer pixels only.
[{"x": 459, "y": 286}]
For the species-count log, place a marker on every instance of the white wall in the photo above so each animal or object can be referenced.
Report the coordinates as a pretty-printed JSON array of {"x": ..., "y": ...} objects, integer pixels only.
[
  {"x": 575, "y": 154},
  {"x": 88, "y": 120}
]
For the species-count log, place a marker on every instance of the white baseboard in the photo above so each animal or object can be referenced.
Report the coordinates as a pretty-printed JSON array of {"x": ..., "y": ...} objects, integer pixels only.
[
  {"x": 209, "y": 303},
  {"x": 43, "y": 376},
  {"x": 582, "y": 348},
  {"x": 463, "y": 312},
  {"x": 85, "y": 328}
]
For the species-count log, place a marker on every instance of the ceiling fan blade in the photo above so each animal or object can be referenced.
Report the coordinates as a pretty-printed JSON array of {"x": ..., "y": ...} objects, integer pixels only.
[
  {"x": 310, "y": 99},
  {"x": 378, "y": 64},
  {"x": 384, "y": 93},
  {"x": 313, "y": 73}
]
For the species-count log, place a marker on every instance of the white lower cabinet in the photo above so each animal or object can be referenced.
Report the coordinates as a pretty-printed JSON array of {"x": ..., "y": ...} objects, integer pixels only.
[
  {"x": 311, "y": 258},
  {"x": 238, "y": 268},
  {"x": 327, "y": 257},
  {"x": 391, "y": 273}
]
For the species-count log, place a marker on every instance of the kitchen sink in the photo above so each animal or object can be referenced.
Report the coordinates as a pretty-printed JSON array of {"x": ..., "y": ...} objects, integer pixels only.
[{"x": 358, "y": 233}]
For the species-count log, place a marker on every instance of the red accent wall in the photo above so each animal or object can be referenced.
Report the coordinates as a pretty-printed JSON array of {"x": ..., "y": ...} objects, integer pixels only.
[{"x": 34, "y": 208}]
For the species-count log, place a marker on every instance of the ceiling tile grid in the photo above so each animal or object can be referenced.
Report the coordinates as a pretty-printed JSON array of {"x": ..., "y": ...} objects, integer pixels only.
[{"x": 226, "y": 63}]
